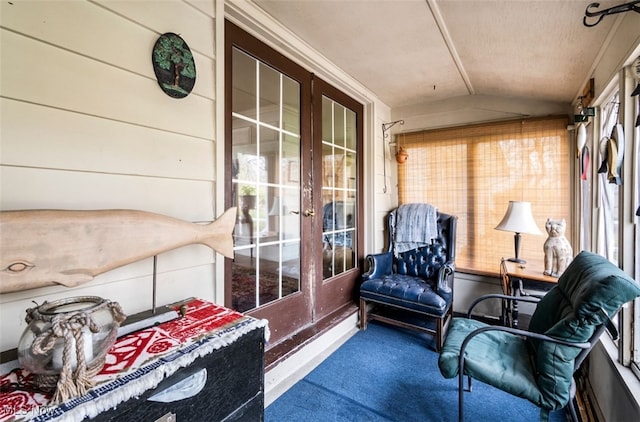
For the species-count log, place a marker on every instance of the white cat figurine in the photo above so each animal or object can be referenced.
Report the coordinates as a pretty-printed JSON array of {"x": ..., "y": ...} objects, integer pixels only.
[{"x": 557, "y": 249}]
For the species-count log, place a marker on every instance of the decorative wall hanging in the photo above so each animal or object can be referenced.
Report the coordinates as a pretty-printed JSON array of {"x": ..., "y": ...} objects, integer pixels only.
[
  {"x": 173, "y": 65},
  {"x": 402, "y": 155},
  {"x": 70, "y": 247},
  {"x": 581, "y": 137},
  {"x": 612, "y": 154}
]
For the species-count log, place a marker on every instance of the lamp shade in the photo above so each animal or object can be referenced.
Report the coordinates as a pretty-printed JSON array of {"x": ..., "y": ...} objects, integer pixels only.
[{"x": 519, "y": 219}]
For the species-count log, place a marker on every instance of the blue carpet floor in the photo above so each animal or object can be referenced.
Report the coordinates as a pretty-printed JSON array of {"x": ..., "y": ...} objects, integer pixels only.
[{"x": 387, "y": 374}]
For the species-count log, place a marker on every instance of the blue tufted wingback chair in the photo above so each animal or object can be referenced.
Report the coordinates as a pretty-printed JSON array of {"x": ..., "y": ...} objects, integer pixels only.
[{"x": 415, "y": 288}]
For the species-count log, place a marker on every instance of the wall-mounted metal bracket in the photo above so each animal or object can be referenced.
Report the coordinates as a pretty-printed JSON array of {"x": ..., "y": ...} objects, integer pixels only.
[
  {"x": 387, "y": 126},
  {"x": 626, "y": 7},
  {"x": 385, "y": 129}
]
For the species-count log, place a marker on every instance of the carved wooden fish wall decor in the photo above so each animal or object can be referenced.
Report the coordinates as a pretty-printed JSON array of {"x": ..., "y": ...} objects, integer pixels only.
[{"x": 45, "y": 247}]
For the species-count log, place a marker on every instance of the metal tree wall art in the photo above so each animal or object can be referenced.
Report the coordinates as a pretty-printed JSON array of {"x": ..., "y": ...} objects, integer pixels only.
[{"x": 173, "y": 65}]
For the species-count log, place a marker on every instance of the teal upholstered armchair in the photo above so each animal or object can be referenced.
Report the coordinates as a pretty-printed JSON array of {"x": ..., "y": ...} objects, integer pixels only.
[{"x": 539, "y": 364}]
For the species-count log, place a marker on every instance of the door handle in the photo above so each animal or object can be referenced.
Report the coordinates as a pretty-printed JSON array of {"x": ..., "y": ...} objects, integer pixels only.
[{"x": 309, "y": 212}]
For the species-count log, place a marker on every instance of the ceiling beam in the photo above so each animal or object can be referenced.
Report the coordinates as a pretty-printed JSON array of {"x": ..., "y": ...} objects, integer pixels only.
[{"x": 437, "y": 16}]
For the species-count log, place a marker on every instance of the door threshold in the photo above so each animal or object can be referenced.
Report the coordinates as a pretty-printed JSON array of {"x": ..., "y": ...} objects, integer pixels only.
[{"x": 287, "y": 347}]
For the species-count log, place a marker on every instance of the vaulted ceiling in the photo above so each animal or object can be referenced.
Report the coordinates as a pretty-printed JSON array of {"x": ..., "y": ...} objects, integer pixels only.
[{"x": 411, "y": 52}]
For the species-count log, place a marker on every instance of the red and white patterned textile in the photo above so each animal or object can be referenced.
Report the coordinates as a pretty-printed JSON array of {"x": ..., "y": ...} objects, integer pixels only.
[{"x": 136, "y": 362}]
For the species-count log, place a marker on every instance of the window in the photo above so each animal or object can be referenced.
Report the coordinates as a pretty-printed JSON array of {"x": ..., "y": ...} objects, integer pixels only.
[
  {"x": 615, "y": 201},
  {"x": 634, "y": 161},
  {"x": 636, "y": 206},
  {"x": 474, "y": 171}
]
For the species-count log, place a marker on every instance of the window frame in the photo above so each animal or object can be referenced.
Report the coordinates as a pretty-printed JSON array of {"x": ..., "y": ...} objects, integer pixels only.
[{"x": 628, "y": 230}]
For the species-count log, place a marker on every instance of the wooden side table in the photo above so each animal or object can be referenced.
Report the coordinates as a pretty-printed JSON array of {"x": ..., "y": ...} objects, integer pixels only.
[{"x": 516, "y": 280}]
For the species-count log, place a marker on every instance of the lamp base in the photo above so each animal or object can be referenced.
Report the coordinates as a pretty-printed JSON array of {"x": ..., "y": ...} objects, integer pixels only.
[{"x": 517, "y": 260}]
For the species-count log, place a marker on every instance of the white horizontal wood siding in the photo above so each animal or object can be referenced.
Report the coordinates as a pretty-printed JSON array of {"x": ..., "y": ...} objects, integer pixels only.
[{"x": 84, "y": 125}]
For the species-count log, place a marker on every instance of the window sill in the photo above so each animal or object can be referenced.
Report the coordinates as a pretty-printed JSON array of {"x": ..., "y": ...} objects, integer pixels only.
[{"x": 476, "y": 272}]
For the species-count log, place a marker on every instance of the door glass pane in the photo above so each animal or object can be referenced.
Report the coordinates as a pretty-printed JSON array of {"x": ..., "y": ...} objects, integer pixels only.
[
  {"x": 338, "y": 188},
  {"x": 291, "y": 105},
  {"x": 244, "y": 83},
  {"x": 350, "y": 132},
  {"x": 265, "y": 184},
  {"x": 269, "y": 94}
]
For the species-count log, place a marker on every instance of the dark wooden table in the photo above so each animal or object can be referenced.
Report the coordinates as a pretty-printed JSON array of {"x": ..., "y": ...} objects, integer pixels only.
[{"x": 517, "y": 280}]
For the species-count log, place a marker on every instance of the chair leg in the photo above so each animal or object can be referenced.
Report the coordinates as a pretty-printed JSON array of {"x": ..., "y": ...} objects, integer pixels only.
[
  {"x": 544, "y": 415},
  {"x": 570, "y": 405},
  {"x": 440, "y": 328},
  {"x": 439, "y": 334},
  {"x": 572, "y": 412},
  {"x": 460, "y": 397},
  {"x": 363, "y": 314}
]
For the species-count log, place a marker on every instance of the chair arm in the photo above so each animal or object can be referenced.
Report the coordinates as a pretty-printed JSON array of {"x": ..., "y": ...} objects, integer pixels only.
[
  {"x": 530, "y": 299},
  {"x": 445, "y": 277},
  {"x": 380, "y": 264},
  {"x": 516, "y": 331},
  {"x": 520, "y": 332}
]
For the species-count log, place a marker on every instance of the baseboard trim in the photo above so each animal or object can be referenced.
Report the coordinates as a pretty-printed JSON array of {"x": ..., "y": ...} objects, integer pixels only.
[
  {"x": 283, "y": 374},
  {"x": 277, "y": 352}
]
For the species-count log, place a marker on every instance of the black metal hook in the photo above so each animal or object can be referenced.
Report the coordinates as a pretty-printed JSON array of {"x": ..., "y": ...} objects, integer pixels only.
[{"x": 626, "y": 7}]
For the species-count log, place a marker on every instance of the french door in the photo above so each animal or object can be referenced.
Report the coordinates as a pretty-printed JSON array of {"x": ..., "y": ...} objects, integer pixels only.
[
  {"x": 296, "y": 238},
  {"x": 337, "y": 175}
]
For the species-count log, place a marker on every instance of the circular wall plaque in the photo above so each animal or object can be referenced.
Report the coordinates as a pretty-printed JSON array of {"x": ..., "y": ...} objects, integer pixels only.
[{"x": 173, "y": 65}]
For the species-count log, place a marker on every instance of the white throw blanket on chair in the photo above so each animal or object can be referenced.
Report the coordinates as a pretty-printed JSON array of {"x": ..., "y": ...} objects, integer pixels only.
[{"x": 416, "y": 226}]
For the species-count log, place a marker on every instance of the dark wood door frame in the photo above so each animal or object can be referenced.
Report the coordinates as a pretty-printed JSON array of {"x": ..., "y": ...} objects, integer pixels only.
[{"x": 316, "y": 301}]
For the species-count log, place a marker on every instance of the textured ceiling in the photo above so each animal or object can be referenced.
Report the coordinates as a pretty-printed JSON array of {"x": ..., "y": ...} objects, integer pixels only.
[{"x": 415, "y": 51}]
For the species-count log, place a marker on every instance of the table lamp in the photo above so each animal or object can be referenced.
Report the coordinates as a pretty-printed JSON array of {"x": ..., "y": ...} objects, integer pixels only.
[{"x": 518, "y": 219}]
